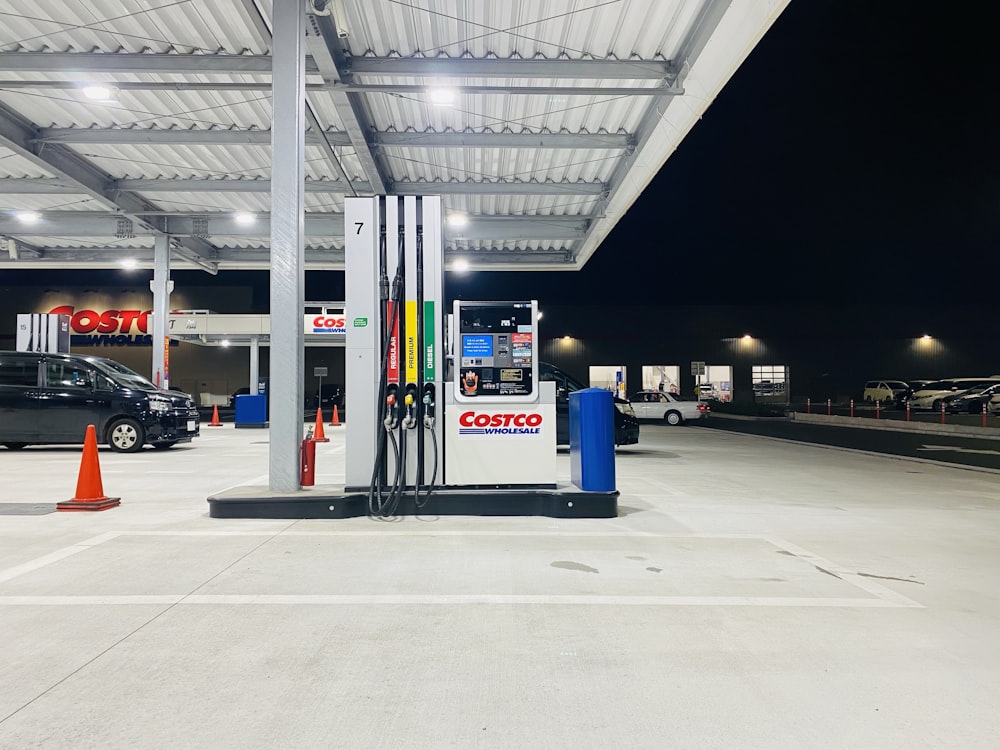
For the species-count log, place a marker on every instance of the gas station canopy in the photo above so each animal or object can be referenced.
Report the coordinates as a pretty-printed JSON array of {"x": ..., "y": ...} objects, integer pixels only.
[{"x": 539, "y": 123}]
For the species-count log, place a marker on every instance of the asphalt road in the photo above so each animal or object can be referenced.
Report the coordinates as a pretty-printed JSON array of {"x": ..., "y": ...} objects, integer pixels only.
[{"x": 953, "y": 449}]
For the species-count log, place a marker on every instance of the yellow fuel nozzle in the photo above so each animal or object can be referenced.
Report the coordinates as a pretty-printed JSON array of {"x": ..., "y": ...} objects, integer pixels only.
[{"x": 408, "y": 399}]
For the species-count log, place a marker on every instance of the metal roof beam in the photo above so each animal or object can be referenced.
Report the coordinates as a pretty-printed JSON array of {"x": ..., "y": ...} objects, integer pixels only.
[
  {"x": 393, "y": 139},
  {"x": 465, "y": 67},
  {"x": 252, "y": 13},
  {"x": 420, "y": 67},
  {"x": 69, "y": 167},
  {"x": 324, "y": 43},
  {"x": 357, "y": 86},
  {"x": 200, "y": 226},
  {"x": 55, "y": 186},
  {"x": 704, "y": 25},
  {"x": 138, "y": 62}
]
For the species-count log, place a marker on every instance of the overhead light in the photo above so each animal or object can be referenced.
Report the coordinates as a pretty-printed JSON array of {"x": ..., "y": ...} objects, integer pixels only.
[
  {"x": 926, "y": 337},
  {"x": 28, "y": 217},
  {"x": 442, "y": 97},
  {"x": 129, "y": 264},
  {"x": 747, "y": 337},
  {"x": 460, "y": 265},
  {"x": 539, "y": 314},
  {"x": 224, "y": 342},
  {"x": 567, "y": 337},
  {"x": 457, "y": 220},
  {"x": 101, "y": 93},
  {"x": 244, "y": 217}
]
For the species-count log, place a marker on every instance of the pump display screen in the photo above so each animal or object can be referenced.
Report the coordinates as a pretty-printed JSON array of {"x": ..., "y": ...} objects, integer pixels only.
[{"x": 496, "y": 348}]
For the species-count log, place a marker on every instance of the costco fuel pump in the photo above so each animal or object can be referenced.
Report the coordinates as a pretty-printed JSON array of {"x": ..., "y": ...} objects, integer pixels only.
[{"x": 500, "y": 421}]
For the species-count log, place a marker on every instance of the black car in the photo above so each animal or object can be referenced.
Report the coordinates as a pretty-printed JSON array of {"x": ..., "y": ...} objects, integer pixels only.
[
  {"x": 972, "y": 400},
  {"x": 912, "y": 386},
  {"x": 626, "y": 423},
  {"x": 51, "y": 398}
]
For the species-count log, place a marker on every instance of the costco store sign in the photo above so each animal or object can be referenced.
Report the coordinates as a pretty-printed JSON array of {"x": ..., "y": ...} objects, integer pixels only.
[{"x": 106, "y": 327}]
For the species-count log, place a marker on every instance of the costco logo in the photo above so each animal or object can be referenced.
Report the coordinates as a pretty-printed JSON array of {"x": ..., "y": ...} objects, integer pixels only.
[
  {"x": 329, "y": 324},
  {"x": 472, "y": 423}
]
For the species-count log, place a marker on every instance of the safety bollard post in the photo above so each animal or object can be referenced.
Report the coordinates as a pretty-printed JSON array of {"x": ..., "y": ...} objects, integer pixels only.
[
  {"x": 878, "y": 409},
  {"x": 809, "y": 406},
  {"x": 852, "y": 407},
  {"x": 828, "y": 407}
]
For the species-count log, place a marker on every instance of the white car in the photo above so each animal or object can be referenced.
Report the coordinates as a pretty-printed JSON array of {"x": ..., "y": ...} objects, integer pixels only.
[
  {"x": 993, "y": 407},
  {"x": 930, "y": 395},
  {"x": 668, "y": 407}
]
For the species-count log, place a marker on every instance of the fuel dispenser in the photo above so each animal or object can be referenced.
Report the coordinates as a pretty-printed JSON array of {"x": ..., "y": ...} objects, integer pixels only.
[
  {"x": 501, "y": 422},
  {"x": 447, "y": 413}
]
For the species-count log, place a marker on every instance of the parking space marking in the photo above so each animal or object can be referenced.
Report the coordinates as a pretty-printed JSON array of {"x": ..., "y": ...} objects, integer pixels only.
[
  {"x": 884, "y": 596},
  {"x": 433, "y": 599},
  {"x": 52, "y": 557}
]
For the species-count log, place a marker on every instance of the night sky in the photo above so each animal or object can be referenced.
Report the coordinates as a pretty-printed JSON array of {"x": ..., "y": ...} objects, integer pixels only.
[{"x": 853, "y": 158}]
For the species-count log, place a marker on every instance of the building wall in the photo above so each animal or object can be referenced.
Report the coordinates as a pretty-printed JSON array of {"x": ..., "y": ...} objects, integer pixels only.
[{"x": 830, "y": 351}]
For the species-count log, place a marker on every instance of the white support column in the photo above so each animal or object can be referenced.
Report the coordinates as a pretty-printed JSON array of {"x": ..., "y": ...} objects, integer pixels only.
[
  {"x": 161, "y": 286},
  {"x": 254, "y": 364},
  {"x": 287, "y": 243}
]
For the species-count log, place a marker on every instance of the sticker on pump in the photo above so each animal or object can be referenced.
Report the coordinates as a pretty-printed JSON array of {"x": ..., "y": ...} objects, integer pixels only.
[{"x": 500, "y": 424}]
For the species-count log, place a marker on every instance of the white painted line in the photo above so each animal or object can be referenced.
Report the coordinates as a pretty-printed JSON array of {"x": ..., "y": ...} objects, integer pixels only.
[
  {"x": 863, "y": 583},
  {"x": 439, "y": 599},
  {"x": 61, "y": 554},
  {"x": 255, "y": 480}
]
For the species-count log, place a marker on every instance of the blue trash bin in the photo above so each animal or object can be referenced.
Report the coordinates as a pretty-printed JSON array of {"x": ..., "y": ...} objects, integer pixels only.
[
  {"x": 251, "y": 411},
  {"x": 592, "y": 440}
]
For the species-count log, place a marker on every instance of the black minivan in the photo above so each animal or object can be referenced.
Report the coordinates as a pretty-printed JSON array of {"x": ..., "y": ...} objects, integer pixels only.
[
  {"x": 51, "y": 398},
  {"x": 626, "y": 423}
]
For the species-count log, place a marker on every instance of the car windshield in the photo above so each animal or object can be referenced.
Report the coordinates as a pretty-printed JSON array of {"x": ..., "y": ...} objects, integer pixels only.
[
  {"x": 123, "y": 375},
  {"x": 975, "y": 389},
  {"x": 896, "y": 384}
]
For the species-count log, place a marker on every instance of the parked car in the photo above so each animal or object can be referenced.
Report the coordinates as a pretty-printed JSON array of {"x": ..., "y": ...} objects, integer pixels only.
[
  {"x": 931, "y": 395},
  {"x": 912, "y": 386},
  {"x": 707, "y": 391},
  {"x": 51, "y": 398},
  {"x": 626, "y": 423},
  {"x": 668, "y": 407},
  {"x": 972, "y": 400},
  {"x": 993, "y": 407},
  {"x": 886, "y": 391}
]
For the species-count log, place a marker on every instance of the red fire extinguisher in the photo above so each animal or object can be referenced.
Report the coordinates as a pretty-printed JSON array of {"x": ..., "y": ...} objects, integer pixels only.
[{"x": 308, "y": 464}]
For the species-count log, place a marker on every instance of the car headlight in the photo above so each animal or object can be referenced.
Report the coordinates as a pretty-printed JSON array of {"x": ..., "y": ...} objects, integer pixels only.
[{"x": 159, "y": 405}]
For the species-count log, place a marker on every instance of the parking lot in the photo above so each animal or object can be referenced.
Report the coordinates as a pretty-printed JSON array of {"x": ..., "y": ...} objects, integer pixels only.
[{"x": 752, "y": 593}]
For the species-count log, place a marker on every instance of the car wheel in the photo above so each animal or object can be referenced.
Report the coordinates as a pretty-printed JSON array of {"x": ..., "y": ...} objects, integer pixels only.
[
  {"x": 15, "y": 446},
  {"x": 164, "y": 446},
  {"x": 673, "y": 418},
  {"x": 936, "y": 406},
  {"x": 126, "y": 436}
]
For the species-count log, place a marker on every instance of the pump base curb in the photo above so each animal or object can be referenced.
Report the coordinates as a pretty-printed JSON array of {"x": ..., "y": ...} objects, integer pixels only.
[{"x": 561, "y": 502}]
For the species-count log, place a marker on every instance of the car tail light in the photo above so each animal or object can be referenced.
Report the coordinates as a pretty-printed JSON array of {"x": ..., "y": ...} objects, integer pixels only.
[
  {"x": 704, "y": 407},
  {"x": 625, "y": 408}
]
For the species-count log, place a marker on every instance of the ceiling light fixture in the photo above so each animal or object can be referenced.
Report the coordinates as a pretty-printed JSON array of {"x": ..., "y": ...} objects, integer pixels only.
[
  {"x": 244, "y": 218},
  {"x": 101, "y": 93},
  {"x": 28, "y": 217},
  {"x": 460, "y": 265},
  {"x": 458, "y": 220},
  {"x": 442, "y": 97},
  {"x": 129, "y": 264}
]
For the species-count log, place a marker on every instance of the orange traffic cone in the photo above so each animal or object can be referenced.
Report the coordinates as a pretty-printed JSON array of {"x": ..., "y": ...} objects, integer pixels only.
[
  {"x": 335, "y": 422},
  {"x": 89, "y": 490},
  {"x": 215, "y": 417},
  {"x": 318, "y": 435}
]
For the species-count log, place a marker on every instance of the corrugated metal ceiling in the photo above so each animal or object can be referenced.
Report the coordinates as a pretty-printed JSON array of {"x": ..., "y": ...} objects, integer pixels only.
[{"x": 167, "y": 124}]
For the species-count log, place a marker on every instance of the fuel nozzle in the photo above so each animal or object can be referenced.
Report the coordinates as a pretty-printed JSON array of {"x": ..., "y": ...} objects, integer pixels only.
[
  {"x": 428, "y": 401},
  {"x": 391, "y": 418},
  {"x": 410, "y": 406}
]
